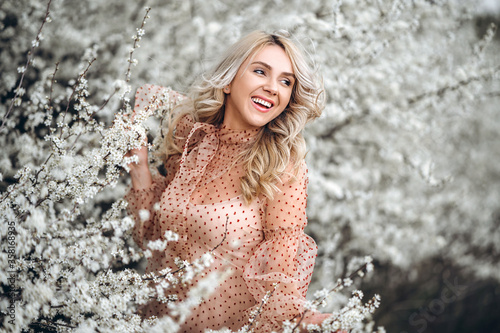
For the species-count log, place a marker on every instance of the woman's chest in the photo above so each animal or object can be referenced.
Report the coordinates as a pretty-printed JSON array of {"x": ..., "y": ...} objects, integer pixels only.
[
  {"x": 230, "y": 229},
  {"x": 229, "y": 222}
]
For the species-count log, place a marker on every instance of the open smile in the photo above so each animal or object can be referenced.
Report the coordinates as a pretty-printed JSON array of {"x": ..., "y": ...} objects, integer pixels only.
[{"x": 262, "y": 104}]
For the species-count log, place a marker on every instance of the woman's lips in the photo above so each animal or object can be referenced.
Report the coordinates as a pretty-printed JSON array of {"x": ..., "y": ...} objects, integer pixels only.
[
  {"x": 262, "y": 104},
  {"x": 260, "y": 107}
]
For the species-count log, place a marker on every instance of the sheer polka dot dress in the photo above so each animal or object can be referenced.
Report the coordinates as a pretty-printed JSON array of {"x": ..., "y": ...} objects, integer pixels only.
[{"x": 262, "y": 243}]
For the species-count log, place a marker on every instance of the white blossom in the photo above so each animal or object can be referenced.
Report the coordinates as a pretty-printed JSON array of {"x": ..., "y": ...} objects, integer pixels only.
[{"x": 402, "y": 153}]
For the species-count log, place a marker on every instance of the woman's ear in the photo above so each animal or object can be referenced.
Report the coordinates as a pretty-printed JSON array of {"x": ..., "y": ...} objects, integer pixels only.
[{"x": 227, "y": 89}]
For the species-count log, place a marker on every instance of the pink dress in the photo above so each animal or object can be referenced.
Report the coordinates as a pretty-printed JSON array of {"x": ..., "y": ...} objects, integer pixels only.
[{"x": 264, "y": 241}]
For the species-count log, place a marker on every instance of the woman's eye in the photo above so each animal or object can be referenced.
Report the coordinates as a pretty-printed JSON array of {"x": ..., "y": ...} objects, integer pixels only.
[
  {"x": 259, "y": 71},
  {"x": 287, "y": 82}
]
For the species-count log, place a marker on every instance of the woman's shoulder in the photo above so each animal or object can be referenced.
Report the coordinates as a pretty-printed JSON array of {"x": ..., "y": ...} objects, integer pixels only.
[
  {"x": 293, "y": 179},
  {"x": 295, "y": 171},
  {"x": 184, "y": 123}
]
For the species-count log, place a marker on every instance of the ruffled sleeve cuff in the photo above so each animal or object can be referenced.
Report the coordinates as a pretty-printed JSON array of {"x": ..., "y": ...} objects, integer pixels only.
[
  {"x": 287, "y": 258},
  {"x": 142, "y": 205}
]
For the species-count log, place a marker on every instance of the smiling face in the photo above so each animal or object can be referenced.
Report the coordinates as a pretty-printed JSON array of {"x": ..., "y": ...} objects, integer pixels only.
[{"x": 260, "y": 90}]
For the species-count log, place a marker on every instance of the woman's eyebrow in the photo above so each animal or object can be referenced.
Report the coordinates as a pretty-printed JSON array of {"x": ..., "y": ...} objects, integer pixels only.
[{"x": 269, "y": 68}]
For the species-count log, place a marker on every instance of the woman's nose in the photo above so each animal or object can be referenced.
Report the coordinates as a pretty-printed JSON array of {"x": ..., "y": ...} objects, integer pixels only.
[{"x": 271, "y": 87}]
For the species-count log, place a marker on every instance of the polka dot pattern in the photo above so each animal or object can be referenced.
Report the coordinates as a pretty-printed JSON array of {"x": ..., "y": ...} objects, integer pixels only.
[{"x": 264, "y": 243}]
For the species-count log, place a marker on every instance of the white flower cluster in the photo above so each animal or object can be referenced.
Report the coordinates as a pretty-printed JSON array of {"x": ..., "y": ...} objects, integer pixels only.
[
  {"x": 59, "y": 235},
  {"x": 403, "y": 150}
]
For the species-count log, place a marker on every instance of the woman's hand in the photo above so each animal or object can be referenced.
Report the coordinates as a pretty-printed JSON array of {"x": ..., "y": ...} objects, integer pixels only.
[{"x": 139, "y": 172}]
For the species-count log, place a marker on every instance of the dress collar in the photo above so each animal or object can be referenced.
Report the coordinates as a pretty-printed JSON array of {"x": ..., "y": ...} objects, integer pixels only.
[
  {"x": 189, "y": 130},
  {"x": 232, "y": 136}
]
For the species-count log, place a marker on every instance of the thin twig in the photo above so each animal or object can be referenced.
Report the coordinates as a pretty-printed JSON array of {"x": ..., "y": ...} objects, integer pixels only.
[
  {"x": 51, "y": 324},
  {"x": 259, "y": 310},
  {"x": 28, "y": 62},
  {"x": 334, "y": 289},
  {"x": 136, "y": 40},
  {"x": 439, "y": 92},
  {"x": 80, "y": 77},
  {"x": 49, "y": 102},
  {"x": 223, "y": 238}
]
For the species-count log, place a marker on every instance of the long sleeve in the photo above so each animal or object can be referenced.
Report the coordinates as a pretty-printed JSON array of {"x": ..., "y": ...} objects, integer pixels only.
[
  {"x": 286, "y": 256},
  {"x": 141, "y": 205},
  {"x": 146, "y": 94}
]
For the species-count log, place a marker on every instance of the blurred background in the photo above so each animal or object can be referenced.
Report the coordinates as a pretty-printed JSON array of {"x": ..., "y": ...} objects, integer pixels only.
[{"x": 403, "y": 164}]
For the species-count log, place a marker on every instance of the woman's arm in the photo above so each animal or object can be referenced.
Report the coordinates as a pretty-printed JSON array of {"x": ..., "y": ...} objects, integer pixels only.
[
  {"x": 146, "y": 190},
  {"x": 145, "y": 97},
  {"x": 286, "y": 257}
]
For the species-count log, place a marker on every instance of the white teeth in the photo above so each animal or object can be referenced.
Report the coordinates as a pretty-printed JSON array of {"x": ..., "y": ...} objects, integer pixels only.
[{"x": 262, "y": 102}]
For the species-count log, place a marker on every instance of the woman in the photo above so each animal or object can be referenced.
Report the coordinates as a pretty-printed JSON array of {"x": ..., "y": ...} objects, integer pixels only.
[{"x": 236, "y": 184}]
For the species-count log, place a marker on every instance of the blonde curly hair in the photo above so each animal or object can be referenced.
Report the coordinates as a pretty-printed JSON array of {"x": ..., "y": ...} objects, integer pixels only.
[{"x": 279, "y": 143}]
